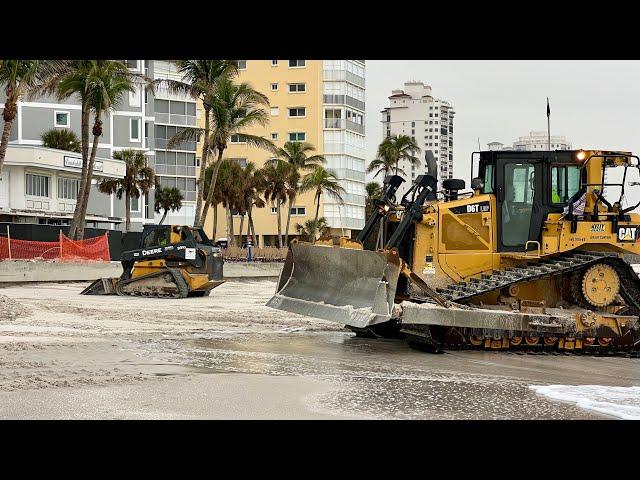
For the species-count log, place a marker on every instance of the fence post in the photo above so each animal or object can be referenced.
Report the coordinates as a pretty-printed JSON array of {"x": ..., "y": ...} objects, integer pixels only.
[
  {"x": 9, "y": 241},
  {"x": 60, "y": 242}
]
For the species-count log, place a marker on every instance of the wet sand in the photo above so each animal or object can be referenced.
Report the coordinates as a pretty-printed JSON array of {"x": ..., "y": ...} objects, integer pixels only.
[{"x": 228, "y": 356}]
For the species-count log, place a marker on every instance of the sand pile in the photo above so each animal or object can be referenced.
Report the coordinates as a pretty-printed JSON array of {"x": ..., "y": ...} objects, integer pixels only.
[{"x": 10, "y": 309}]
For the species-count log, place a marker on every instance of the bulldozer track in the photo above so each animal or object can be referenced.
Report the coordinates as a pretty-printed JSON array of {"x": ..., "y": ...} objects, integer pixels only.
[
  {"x": 182, "y": 289},
  {"x": 425, "y": 338}
]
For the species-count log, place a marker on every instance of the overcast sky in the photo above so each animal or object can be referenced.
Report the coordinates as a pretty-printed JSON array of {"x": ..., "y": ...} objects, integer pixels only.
[{"x": 593, "y": 103}]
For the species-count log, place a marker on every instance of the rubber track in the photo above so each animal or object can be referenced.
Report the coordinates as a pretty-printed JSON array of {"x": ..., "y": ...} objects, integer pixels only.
[
  {"x": 183, "y": 288},
  {"x": 557, "y": 265}
]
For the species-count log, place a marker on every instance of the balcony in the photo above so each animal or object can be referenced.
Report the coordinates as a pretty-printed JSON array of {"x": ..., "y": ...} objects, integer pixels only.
[
  {"x": 161, "y": 143},
  {"x": 333, "y": 123},
  {"x": 356, "y": 127},
  {"x": 172, "y": 119},
  {"x": 343, "y": 75}
]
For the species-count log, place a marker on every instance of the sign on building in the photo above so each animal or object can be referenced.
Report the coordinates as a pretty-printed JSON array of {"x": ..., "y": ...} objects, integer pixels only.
[{"x": 75, "y": 162}]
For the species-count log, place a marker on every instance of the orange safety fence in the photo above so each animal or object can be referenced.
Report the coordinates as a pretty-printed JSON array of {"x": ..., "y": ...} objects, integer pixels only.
[{"x": 65, "y": 249}]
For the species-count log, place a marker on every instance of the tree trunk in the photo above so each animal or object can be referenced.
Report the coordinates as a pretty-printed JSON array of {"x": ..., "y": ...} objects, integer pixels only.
[
  {"x": 212, "y": 187},
  {"x": 9, "y": 115},
  {"x": 85, "y": 163},
  {"x": 203, "y": 167},
  {"x": 127, "y": 211},
  {"x": 279, "y": 224},
  {"x": 241, "y": 225},
  {"x": 97, "y": 128},
  {"x": 215, "y": 221},
  {"x": 164, "y": 215},
  {"x": 252, "y": 227},
  {"x": 230, "y": 232},
  {"x": 292, "y": 200},
  {"x": 315, "y": 221}
]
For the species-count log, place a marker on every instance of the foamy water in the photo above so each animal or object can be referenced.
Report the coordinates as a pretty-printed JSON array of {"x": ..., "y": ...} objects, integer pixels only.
[{"x": 620, "y": 402}]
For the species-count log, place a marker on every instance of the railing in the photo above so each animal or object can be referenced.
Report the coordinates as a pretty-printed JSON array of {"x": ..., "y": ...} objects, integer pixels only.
[
  {"x": 161, "y": 143},
  {"x": 258, "y": 254},
  {"x": 174, "y": 119},
  {"x": 356, "y": 127},
  {"x": 333, "y": 123},
  {"x": 352, "y": 102}
]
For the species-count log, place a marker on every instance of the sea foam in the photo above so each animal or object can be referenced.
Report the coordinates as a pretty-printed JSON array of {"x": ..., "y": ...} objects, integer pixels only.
[{"x": 620, "y": 402}]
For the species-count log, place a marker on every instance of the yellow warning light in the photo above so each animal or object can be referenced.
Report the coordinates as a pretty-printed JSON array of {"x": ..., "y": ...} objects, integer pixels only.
[{"x": 581, "y": 155}]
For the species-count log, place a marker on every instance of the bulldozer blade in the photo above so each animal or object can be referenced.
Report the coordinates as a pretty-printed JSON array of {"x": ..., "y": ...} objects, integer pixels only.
[
  {"x": 349, "y": 286},
  {"x": 102, "y": 286}
]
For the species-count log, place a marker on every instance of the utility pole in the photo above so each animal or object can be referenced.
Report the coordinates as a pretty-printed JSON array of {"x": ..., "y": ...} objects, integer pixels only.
[{"x": 548, "y": 126}]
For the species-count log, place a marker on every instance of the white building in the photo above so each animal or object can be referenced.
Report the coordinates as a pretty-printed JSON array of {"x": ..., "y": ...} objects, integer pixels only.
[
  {"x": 40, "y": 185},
  {"x": 415, "y": 112},
  {"x": 534, "y": 141}
]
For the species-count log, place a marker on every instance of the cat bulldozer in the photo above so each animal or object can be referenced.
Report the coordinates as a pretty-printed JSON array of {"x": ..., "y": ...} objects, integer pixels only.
[
  {"x": 537, "y": 256},
  {"x": 172, "y": 261}
]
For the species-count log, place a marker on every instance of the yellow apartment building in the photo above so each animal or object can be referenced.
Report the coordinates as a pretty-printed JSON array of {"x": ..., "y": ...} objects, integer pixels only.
[{"x": 321, "y": 102}]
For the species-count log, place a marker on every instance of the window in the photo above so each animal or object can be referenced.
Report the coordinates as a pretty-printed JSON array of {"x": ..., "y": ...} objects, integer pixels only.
[
  {"x": 134, "y": 97},
  {"x": 36, "y": 185},
  {"x": 274, "y": 63},
  {"x": 61, "y": 119},
  {"x": 237, "y": 138},
  {"x": 242, "y": 64},
  {"x": 134, "y": 130},
  {"x": 275, "y": 111},
  {"x": 297, "y": 63},
  {"x": 488, "y": 178},
  {"x": 274, "y": 87},
  {"x": 132, "y": 64},
  {"x": 298, "y": 112},
  {"x": 274, "y": 136},
  {"x": 565, "y": 183},
  {"x": 135, "y": 204},
  {"x": 68, "y": 188},
  {"x": 297, "y": 87},
  {"x": 274, "y": 210},
  {"x": 298, "y": 210},
  {"x": 297, "y": 136}
]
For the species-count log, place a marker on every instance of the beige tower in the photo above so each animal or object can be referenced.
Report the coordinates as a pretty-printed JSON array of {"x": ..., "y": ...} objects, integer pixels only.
[{"x": 319, "y": 102}]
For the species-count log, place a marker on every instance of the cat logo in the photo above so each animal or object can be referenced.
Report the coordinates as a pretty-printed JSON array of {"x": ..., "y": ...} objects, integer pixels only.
[
  {"x": 628, "y": 234},
  {"x": 597, "y": 227}
]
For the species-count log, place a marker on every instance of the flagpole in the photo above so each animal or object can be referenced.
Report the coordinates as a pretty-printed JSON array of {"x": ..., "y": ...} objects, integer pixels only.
[{"x": 548, "y": 126}]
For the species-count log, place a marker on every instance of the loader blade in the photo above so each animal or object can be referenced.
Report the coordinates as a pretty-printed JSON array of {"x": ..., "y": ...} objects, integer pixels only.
[
  {"x": 348, "y": 286},
  {"x": 102, "y": 286}
]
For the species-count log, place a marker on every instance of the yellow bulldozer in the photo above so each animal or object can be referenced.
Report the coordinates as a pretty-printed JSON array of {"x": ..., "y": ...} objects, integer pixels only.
[
  {"x": 172, "y": 261},
  {"x": 536, "y": 256}
]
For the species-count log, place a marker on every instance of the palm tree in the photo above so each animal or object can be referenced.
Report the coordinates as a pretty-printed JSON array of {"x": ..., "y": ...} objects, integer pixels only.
[
  {"x": 400, "y": 147},
  {"x": 236, "y": 107},
  {"x": 295, "y": 154},
  {"x": 276, "y": 188},
  {"x": 18, "y": 78},
  {"x": 310, "y": 227},
  {"x": 228, "y": 192},
  {"x": 385, "y": 165},
  {"x": 374, "y": 192},
  {"x": 137, "y": 181},
  {"x": 319, "y": 181},
  {"x": 101, "y": 86},
  {"x": 199, "y": 80},
  {"x": 390, "y": 151},
  {"x": 251, "y": 185},
  {"x": 62, "y": 139},
  {"x": 167, "y": 199}
]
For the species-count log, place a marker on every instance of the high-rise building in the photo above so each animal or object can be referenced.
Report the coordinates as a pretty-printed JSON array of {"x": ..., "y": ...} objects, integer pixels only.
[
  {"x": 314, "y": 101},
  {"x": 415, "y": 112},
  {"x": 540, "y": 141},
  {"x": 39, "y": 185},
  {"x": 534, "y": 141}
]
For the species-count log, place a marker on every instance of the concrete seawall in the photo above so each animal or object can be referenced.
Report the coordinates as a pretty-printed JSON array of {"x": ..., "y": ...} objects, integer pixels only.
[{"x": 41, "y": 271}]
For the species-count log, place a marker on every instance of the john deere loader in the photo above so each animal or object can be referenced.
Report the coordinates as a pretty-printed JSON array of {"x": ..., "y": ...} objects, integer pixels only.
[
  {"x": 172, "y": 261},
  {"x": 537, "y": 257}
]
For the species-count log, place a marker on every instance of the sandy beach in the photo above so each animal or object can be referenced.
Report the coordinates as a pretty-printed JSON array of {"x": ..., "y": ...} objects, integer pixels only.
[{"x": 63, "y": 355}]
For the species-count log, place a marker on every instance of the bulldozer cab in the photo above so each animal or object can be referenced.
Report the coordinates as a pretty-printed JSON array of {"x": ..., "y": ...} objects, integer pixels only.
[
  {"x": 527, "y": 187},
  {"x": 161, "y": 235}
]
